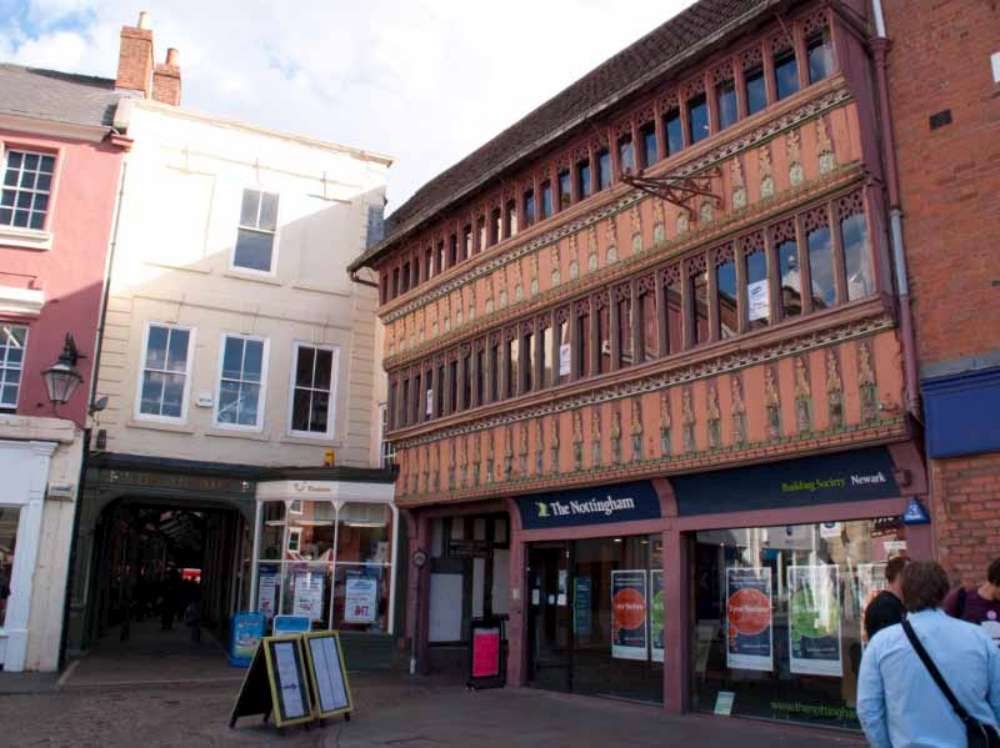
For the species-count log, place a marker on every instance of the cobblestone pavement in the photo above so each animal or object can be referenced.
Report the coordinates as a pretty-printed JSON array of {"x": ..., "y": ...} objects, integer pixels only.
[{"x": 174, "y": 693}]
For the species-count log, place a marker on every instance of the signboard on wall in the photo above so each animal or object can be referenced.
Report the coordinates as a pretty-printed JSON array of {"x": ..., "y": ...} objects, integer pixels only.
[
  {"x": 749, "y": 619},
  {"x": 628, "y": 614},
  {"x": 859, "y": 475},
  {"x": 624, "y": 502}
]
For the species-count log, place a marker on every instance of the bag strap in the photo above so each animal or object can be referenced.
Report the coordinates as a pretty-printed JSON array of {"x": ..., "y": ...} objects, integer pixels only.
[
  {"x": 934, "y": 672},
  {"x": 960, "y": 602}
]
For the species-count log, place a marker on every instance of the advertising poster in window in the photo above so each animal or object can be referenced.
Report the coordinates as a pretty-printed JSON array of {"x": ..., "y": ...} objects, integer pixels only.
[
  {"x": 656, "y": 615},
  {"x": 757, "y": 300},
  {"x": 628, "y": 614},
  {"x": 308, "y": 598},
  {"x": 360, "y": 598},
  {"x": 582, "y": 606},
  {"x": 267, "y": 591},
  {"x": 749, "y": 619},
  {"x": 814, "y": 620},
  {"x": 870, "y": 581}
]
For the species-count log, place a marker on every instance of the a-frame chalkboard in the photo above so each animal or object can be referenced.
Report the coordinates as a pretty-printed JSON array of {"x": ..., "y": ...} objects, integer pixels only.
[
  {"x": 276, "y": 684},
  {"x": 328, "y": 674}
]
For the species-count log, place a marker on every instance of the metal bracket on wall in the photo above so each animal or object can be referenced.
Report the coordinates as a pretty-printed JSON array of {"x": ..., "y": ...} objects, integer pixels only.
[{"x": 678, "y": 191}]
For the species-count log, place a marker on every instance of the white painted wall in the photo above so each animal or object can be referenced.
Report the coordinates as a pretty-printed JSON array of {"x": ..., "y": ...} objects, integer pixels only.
[{"x": 180, "y": 208}]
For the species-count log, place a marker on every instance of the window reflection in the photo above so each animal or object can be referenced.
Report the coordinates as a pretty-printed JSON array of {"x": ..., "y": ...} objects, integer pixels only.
[
  {"x": 791, "y": 281},
  {"x": 824, "y": 293},
  {"x": 820, "y": 54},
  {"x": 756, "y": 90},
  {"x": 786, "y": 74},
  {"x": 725, "y": 277},
  {"x": 758, "y": 292},
  {"x": 725, "y": 96},
  {"x": 699, "y": 301},
  {"x": 857, "y": 257},
  {"x": 675, "y": 132},
  {"x": 698, "y": 118}
]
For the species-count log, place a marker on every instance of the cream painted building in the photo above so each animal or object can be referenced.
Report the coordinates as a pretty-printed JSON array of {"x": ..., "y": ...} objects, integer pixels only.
[{"x": 240, "y": 436}]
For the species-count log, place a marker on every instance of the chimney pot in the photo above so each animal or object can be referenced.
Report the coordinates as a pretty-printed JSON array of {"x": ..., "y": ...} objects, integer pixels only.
[
  {"x": 143, "y": 20},
  {"x": 173, "y": 56}
]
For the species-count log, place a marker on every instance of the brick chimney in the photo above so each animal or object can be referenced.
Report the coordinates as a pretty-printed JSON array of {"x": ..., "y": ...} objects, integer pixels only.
[
  {"x": 167, "y": 79},
  {"x": 135, "y": 58}
]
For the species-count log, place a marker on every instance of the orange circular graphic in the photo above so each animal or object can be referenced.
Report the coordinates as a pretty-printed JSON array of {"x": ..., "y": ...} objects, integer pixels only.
[
  {"x": 749, "y": 612},
  {"x": 629, "y": 608}
]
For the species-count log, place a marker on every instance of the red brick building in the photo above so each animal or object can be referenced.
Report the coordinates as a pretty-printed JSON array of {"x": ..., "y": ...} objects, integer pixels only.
[
  {"x": 652, "y": 389},
  {"x": 944, "y": 94}
]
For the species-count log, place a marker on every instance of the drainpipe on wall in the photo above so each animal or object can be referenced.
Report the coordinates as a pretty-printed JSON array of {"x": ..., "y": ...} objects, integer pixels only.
[{"x": 880, "y": 47}]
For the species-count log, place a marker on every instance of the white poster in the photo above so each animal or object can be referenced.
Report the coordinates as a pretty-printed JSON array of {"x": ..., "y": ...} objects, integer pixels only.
[
  {"x": 565, "y": 360},
  {"x": 814, "y": 642},
  {"x": 360, "y": 599},
  {"x": 308, "y": 598},
  {"x": 870, "y": 581},
  {"x": 267, "y": 593},
  {"x": 829, "y": 530},
  {"x": 757, "y": 300},
  {"x": 329, "y": 678},
  {"x": 429, "y": 410},
  {"x": 288, "y": 680}
]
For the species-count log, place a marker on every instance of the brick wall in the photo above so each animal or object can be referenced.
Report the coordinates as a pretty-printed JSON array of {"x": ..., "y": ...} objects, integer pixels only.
[
  {"x": 949, "y": 176},
  {"x": 966, "y": 508}
]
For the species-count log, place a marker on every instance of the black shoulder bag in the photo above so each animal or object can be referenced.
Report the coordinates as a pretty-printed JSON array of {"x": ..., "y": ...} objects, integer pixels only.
[{"x": 979, "y": 735}]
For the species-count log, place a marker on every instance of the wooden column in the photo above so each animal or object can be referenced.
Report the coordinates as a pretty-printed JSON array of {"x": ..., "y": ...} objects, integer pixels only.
[
  {"x": 662, "y": 316},
  {"x": 661, "y": 132},
  {"x": 742, "y": 303},
  {"x": 768, "y": 64},
  {"x": 638, "y": 337}
]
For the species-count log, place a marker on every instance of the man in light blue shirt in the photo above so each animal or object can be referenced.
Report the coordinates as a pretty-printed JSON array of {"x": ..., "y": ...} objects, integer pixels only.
[{"x": 899, "y": 705}]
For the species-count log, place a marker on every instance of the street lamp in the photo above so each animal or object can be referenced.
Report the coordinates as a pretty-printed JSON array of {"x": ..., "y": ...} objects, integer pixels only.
[{"x": 62, "y": 378}]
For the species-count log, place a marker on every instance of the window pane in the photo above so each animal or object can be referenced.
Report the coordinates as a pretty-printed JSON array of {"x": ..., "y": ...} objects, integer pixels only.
[
  {"x": 253, "y": 250},
  {"x": 820, "y": 57},
  {"x": 758, "y": 293},
  {"x": 786, "y": 74},
  {"x": 512, "y": 366},
  {"x": 9, "y": 518},
  {"x": 565, "y": 190},
  {"x": 675, "y": 132},
  {"x": 857, "y": 257},
  {"x": 529, "y": 362},
  {"x": 268, "y": 211},
  {"x": 564, "y": 343},
  {"x": 650, "y": 336},
  {"x": 675, "y": 317},
  {"x": 304, "y": 366},
  {"x": 324, "y": 369},
  {"x": 177, "y": 353},
  {"x": 232, "y": 358},
  {"x": 583, "y": 354},
  {"x": 625, "y": 332},
  {"x": 529, "y": 207},
  {"x": 791, "y": 281},
  {"x": 699, "y": 296},
  {"x": 649, "y": 154},
  {"x": 248, "y": 211},
  {"x": 301, "y": 410},
  {"x": 253, "y": 360},
  {"x": 152, "y": 393},
  {"x": 156, "y": 347},
  {"x": 229, "y": 393},
  {"x": 725, "y": 277},
  {"x": 546, "y": 200},
  {"x": 698, "y": 118},
  {"x": 319, "y": 413},
  {"x": 547, "y": 350},
  {"x": 725, "y": 96},
  {"x": 173, "y": 395},
  {"x": 604, "y": 339},
  {"x": 626, "y": 155},
  {"x": 821, "y": 268},
  {"x": 756, "y": 91},
  {"x": 583, "y": 177},
  {"x": 603, "y": 170},
  {"x": 249, "y": 397}
]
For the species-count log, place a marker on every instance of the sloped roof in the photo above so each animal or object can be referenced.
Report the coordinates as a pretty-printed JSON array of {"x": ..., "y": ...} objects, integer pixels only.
[
  {"x": 667, "y": 47},
  {"x": 57, "y": 97}
]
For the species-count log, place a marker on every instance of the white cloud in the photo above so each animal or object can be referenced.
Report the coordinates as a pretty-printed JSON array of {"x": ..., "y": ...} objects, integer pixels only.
[{"x": 425, "y": 81}]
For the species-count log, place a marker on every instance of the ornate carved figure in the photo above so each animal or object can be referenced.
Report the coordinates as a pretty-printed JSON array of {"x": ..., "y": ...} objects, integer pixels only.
[
  {"x": 665, "y": 423},
  {"x": 515, "y": 273},
  {"x": 490, "y": 456},
  {"x": 502, "y": 287},
  {"x": 555, "y": 260},
  {"x": 534, "y": 273},
  {"x": 472, "y": 302},
  {"x": 772, "y": 403},
  {"x": 435, "y": 467},
  {"x": 866, "y": 383},
  {"x": 522, "y": 450},
  {"x": 446, "y": 313},
  {"x": 477, "y": 456},
  {"x": 592, "y": 248},
  {"x": 577, "y": 440},
  {"x": 793, "y": 146},
  {"x": 707, "y": 212},
  {"x": 827, "y": 156},
  {"x": 764, "y": 167},
  {"x": 489, "y": 295},
  {"x": 616, "y": 436},
  {"x": 834, "y": 390},
  {"x": 574, "y": 258},
  {"x": 463, "y": 461},
  {"x": 714, "y": 417},
  {"x": 683, "y": 222},
  {"x": 687, "y": 414},
  {"x": 739, "y": 183},
  {"x": 595, "y": 436},
  {"x": 451, "y": 470},
  {"x": 636, "y": 223},
  {"x": 739, "y": 409},
  {"x": 636, "y": 429},
  {"x": 659, "y": 222},
  {"x": 539, "y": 448},
  {"x": 508, "y": 453},
  {"x": 554, "y": 445},
  {"x": 427, "y": 469},
  {"x": 803, "y": 396}
]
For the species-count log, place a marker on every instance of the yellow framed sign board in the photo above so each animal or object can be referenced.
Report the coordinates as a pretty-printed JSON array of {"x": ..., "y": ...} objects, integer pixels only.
[
  {"x": 327, "y": 674},
  {"x": 276, "y": 683}
]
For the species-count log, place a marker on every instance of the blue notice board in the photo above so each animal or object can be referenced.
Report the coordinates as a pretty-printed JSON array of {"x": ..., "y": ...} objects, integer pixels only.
[
  {"x": 245, "y": 633},
  {"x": 284, "y": 625}
]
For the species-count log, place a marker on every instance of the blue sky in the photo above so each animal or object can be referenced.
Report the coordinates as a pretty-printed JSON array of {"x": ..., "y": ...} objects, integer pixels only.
[{"x": 425, "y": 81}]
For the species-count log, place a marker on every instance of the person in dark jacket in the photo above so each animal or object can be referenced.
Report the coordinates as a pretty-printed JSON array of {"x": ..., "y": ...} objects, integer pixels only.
[{"x": 887, "y": 607}]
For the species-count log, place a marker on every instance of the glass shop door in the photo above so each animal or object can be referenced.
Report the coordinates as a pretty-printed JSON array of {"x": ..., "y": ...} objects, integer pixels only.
[{"x": 550, "y": 628}]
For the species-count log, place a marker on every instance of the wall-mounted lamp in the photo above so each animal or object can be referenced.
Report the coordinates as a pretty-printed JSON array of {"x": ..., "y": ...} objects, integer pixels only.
[{"x": 62, "y": 378}]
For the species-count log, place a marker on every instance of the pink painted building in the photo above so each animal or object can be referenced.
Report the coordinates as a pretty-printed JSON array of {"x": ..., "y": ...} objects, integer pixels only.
[{"x": 60, "y": 167}]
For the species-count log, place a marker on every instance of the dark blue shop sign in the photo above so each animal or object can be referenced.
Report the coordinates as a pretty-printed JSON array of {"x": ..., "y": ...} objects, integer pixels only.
[
  {"x": 624, "y": 502},
  {"x": 859, "y": 475}
]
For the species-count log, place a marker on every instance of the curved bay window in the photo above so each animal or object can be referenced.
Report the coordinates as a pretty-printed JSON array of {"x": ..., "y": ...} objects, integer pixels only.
[{"x": 329, "y": 560}]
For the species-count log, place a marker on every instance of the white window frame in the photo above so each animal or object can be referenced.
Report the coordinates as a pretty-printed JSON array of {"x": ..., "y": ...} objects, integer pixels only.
[
  {"x": 182, "y": 418},
  {"x": 331, "y": 413},
  {"x": 50, "y": 192},
  {"x": 262, "y": 398},
  {"x": 386, "y": 450},
  {"x": 20, "y": 381},
  {"x": 270, "y": 273}
]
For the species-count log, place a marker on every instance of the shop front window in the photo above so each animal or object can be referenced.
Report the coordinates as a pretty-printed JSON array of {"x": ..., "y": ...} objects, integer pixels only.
[
  {"x": 8, "y": 540},
  {"x": 328, "y": 561},
  {"x": 779, "y": 617}
]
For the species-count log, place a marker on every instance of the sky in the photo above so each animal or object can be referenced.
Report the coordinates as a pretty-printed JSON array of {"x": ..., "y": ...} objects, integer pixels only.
[{"x": 423, "y": 81}]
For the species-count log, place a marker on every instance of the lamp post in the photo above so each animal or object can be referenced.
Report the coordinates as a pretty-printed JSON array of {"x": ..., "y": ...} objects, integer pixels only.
[{"x": 62, "y": 378}]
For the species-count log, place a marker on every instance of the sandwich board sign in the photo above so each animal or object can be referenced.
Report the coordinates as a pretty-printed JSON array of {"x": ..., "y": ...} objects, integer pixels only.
[
  {"x": 327, "y": 675},
  {"x": 276, "y": 684}
]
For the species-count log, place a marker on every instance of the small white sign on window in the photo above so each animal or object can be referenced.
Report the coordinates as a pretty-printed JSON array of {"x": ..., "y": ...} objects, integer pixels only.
[
  {"x": 724, "y": 703},
  {"x": 429, "y": 411},
  {"x": 757, "y": 300},
  {"x": 565, "y": 360}
]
